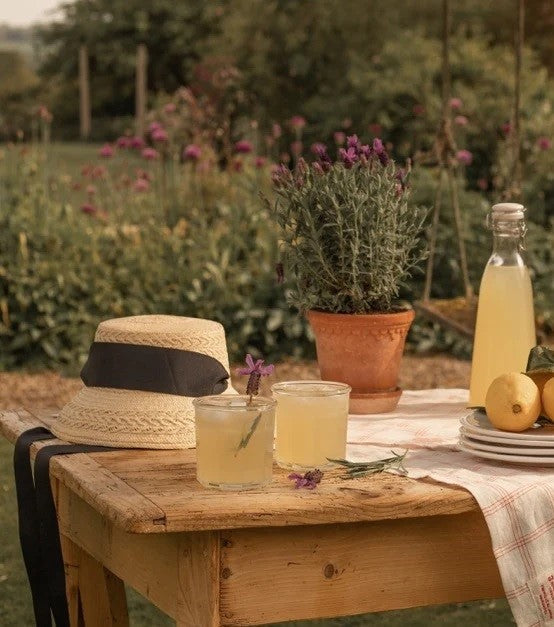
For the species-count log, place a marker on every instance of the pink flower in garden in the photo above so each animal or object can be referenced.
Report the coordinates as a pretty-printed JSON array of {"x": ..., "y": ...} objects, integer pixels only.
[
  {"x": 192, "y": 152},
  {"x": 353, "y": 142},
  {"x": 297, "y": 121},
  {"x": 456, "y": 104},
  {"x": 348, "y": 157},
  {"x": 506, "y": 128},
  {"x": 483, "y": 184},
  {"x": 150, "y": 154},
  {"x": 91, "y": 190},
  {"x": 124, "y": 142},
  {"x": 461, "y": 120},
  {"x": 418, "y": 109},
  {"x": 89, "y": 208},
  {"x": 339, "y": 137},
  {"x": 159, "y": 135},
  {"x": 376, "y": 129},
  {"x": 170, "y": 108},
  {"x": 379, "y": 150},
  {"x": 141, "y": 185},
  {"x": 106, "y": 151},
  {"x": 464, "y": 157},
  {"x": 154, "y": 126},
  {"x": 296, "y": 148},
  {"x": 259, "y": 162},
  {"x": 237, "y": 165},
  {"x": 243, "y": 146},
  {"x": 346, "y": 123},
  {"x": 318, "y": 148},
  {"x": 137, "y": 142},
  {"x": 276, "y": 130},
  {"x": 284, "y": 157},
  {"x": 544, "y": 143}
]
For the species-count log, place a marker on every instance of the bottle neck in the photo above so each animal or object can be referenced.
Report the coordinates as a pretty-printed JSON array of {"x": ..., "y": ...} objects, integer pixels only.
[{"x": 508, "y": 242}]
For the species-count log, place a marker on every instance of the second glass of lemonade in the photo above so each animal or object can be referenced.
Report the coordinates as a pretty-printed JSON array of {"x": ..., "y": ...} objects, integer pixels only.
[
  {"x": 234, "y": 441},
  {"x": 311, "y": 423}
]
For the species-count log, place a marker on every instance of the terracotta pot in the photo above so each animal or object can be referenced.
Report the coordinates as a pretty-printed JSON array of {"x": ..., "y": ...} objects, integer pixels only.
[{"x": 363, "y": 350}]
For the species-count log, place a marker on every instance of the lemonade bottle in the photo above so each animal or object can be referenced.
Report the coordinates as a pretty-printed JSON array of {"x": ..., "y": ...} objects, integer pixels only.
[{"x": 505, "y": 329}]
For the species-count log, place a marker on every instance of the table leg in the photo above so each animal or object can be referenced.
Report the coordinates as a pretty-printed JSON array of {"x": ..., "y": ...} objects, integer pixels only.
[
  {"x": 96, "y": 597},
  {"x": 198, "y": 574}
]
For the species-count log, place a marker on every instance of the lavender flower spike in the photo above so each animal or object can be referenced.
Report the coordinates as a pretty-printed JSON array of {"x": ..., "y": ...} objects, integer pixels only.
[
  {"x": 255, "y": 370},
  {"x": 309, "y": 480}
]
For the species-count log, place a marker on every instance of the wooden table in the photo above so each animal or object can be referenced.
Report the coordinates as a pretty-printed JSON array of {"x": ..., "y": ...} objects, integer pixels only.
[{"x": 208, "y": 558}]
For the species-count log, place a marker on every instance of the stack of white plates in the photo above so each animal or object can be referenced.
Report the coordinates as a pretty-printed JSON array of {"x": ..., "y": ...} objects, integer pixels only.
[{"x": 478, "y": 437}]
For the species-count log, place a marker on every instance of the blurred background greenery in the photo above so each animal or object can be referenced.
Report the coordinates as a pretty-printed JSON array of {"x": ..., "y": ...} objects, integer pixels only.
[{"x": 85, "y": 236}]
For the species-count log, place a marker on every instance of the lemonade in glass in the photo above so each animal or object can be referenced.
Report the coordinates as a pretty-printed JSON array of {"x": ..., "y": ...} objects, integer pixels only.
[
  {"x": 311, "y": 421},
  {"x": 234, "y": 441}
]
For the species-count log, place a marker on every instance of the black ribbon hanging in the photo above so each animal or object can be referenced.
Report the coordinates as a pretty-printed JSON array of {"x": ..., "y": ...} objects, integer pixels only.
[
  {"x": 38, "y": 525},
  {"x": 153, "y": 369}
]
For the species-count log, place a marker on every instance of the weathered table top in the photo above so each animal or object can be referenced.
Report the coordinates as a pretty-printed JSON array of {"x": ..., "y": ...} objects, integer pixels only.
[{"x": 156, "y": 491}]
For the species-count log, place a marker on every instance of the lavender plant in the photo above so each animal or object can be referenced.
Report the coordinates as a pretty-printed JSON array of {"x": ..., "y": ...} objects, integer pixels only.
[{"x": 348, "y": 234}]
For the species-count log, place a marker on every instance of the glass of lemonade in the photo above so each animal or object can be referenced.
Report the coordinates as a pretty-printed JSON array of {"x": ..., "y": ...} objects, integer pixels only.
[
  {"x": 234, "y": 441},
  {"x": 312, "y": 418}
]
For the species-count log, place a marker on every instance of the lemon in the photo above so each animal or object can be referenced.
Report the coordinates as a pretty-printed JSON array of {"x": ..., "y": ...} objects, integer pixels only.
[
  {"x": 513, "y": 402},
  {"x": 548, "y": 398},
  {"x": 540, "y": 378}
]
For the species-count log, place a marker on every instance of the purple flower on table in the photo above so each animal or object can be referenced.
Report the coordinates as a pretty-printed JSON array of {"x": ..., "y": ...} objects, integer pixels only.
[
  {"x": 309, "y": 480},
  {"x": 465, "y": 157},
  {"x": 106, "y": 151},
  {"x": 243, "y": 146},
  {"x": 255, "y": 370},
  {"x": 192, "y": 152},
  {"x": 348, "y": 157}
]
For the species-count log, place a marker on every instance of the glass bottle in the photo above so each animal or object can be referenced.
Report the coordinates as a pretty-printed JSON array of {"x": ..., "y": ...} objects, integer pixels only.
[{"x": 505, "y": 329}]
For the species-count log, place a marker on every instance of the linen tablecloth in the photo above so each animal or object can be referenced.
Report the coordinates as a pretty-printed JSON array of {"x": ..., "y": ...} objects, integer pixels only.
[{"x": 517, "y": 501}]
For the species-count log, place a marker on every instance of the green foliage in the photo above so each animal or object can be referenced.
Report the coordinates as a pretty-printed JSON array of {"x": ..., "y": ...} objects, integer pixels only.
[
  {"x": 62, "y": 271},
  {"x": 349, "y": 236}
]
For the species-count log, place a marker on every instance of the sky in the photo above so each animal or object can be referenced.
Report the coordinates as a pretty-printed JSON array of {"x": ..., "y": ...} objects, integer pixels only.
[{"x": 25, "y": 12}]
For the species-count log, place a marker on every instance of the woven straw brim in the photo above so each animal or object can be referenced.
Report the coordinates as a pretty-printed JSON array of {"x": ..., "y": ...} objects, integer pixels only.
[{"x": 128, "y": 419}]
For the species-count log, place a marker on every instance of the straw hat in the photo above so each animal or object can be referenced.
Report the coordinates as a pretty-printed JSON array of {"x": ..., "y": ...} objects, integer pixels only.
[{"x": 141, "y": 377}]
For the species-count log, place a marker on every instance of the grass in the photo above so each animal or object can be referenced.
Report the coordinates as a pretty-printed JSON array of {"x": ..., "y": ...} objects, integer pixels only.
[{"x": 15, "y": 601}]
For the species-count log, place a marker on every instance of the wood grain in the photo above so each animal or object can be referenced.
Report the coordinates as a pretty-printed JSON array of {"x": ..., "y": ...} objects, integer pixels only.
[
  {"x": 145, "y": 491},
  {"x": 283, "y": 574},
  {"x": 147, "y": 562},
  {"x": 198, "y": 594}
]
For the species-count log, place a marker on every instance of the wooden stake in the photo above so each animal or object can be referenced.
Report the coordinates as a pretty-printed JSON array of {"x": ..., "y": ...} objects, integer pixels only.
[
  {"x": 84, "y": 93},
  {"x": 141, "y": 89}
]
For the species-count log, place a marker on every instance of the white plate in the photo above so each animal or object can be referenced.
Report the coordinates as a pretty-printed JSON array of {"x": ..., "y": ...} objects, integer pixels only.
[
  {"x": 477, "y": 422},
  {"x": 511, "y": 450},
  {"x": 544, "y": 462},
  {"x": 493, "y": 438}
]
